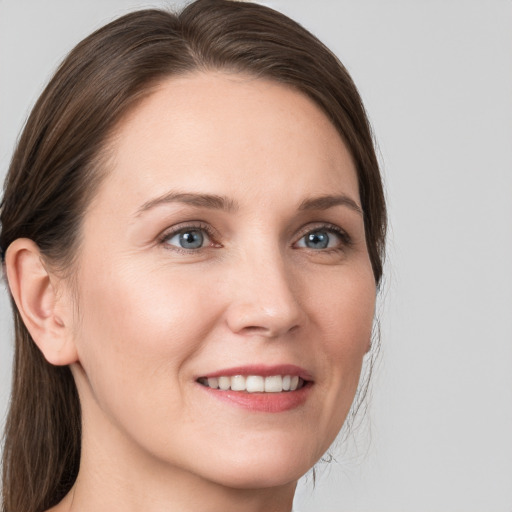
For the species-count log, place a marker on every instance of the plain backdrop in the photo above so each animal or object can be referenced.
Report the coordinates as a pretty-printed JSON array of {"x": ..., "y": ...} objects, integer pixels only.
[{"x": 436, "y": 78}]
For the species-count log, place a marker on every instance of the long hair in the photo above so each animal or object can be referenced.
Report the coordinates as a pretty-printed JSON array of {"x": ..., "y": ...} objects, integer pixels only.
[{"x": 57, "y": 167}]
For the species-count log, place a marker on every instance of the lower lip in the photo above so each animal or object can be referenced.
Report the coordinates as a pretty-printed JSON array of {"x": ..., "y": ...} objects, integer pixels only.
[{"x": 263, "y": 402}]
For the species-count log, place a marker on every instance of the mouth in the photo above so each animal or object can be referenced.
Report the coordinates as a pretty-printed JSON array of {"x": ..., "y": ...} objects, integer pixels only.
[
  {"x": 259, "y": 388},
  {"x": 254, "y": 383}
]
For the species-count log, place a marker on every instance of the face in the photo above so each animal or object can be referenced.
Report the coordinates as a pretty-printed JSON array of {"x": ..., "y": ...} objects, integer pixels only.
[{"x": 224, "y": 249}]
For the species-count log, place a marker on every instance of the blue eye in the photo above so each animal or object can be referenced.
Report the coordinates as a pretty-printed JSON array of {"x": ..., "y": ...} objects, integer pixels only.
[
  {"x": 321, "y": 239},
  {"x": 317, "y": 240},
  {"x": 188, "y": 239}
]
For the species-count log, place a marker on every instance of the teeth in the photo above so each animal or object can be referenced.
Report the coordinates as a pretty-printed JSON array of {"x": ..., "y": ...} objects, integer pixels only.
[
  {"x": 213, "y": 382},
  {"x": 274, "y": 384},
  {"x": 238, "y": 383},
  {"x": 254, "y": 383},
  {"x": 224, "y": 383}
]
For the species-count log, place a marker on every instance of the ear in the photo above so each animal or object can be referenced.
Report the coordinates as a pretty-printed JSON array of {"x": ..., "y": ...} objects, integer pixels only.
[{"x": 45, "y": 313}]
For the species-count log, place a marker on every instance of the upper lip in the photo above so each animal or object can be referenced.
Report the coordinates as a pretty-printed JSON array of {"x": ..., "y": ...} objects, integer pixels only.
[{"x": 262, "y": 370}]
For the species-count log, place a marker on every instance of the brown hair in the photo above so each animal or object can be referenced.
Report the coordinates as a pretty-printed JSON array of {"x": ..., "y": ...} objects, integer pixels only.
[{"x": 56, "y": 169}]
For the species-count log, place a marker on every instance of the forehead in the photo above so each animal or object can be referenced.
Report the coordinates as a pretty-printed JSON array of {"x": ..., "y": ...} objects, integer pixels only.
[{"x": 227, "y": 134}]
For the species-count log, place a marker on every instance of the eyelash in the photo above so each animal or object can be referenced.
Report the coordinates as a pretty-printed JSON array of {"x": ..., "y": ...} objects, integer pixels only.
[
  {"x": 197, "y": 226},
  {"x": 346, "y": 240}
]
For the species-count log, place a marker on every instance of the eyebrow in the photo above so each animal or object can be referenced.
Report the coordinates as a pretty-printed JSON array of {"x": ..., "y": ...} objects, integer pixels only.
[
  {"x": 210, "y": 201},
  {"x": 216, "y": 202},
  {"x": 326, "y": 202}
]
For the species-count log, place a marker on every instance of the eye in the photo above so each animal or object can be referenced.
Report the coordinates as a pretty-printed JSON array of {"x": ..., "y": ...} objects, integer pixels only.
[
  {"x": 188, "y": 238},
  {"x": 323, "y": 238}
]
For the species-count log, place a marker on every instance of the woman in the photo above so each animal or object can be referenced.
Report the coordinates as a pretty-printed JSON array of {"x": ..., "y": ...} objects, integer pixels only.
[{"x": 192, "y": 231}]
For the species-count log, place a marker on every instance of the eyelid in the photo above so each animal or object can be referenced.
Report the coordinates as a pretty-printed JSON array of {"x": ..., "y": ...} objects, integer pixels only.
[
  {"x": 327, "y": 226},
  {"x": 188, "y": 226},
  {"x": 212, "y": 235}
]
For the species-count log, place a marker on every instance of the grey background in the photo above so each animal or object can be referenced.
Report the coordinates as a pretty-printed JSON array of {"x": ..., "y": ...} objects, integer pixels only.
[{"x": 436, "y": 78}]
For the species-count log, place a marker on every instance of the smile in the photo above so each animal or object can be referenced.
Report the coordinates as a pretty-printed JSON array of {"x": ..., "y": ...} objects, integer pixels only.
[
  {"x": 254, "y": 383},
  {"x": 260, "y": 388}
]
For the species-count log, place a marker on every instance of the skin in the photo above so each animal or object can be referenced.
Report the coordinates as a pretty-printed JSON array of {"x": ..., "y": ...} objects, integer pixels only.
[{"x": 144, "y": 319}]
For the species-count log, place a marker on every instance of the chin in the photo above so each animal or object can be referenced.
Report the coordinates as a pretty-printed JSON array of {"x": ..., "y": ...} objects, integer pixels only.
[
  {"x": 270, "y": 476},
  {"x": 264, "y": 467}
]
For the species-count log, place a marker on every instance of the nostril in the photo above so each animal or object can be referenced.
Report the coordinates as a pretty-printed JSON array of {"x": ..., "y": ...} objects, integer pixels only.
[
  {"x": 255, "y": 329},
  {"x": 252, "y": 317},
  {"x": 268, "y": 332}
]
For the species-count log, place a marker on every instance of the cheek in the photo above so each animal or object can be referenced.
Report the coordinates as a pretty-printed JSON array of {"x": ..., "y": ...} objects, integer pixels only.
[
  {"x": 138, "y": 331},
  {"x": 346, "y": 308},
  {"x": 346, "y": 320}
]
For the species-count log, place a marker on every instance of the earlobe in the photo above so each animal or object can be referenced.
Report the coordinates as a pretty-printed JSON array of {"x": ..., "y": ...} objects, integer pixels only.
[{"x": 45, "y": 315}]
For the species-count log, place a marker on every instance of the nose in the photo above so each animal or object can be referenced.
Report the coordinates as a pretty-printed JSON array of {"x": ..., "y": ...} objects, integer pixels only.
[{"x": 264, "y": 298}]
